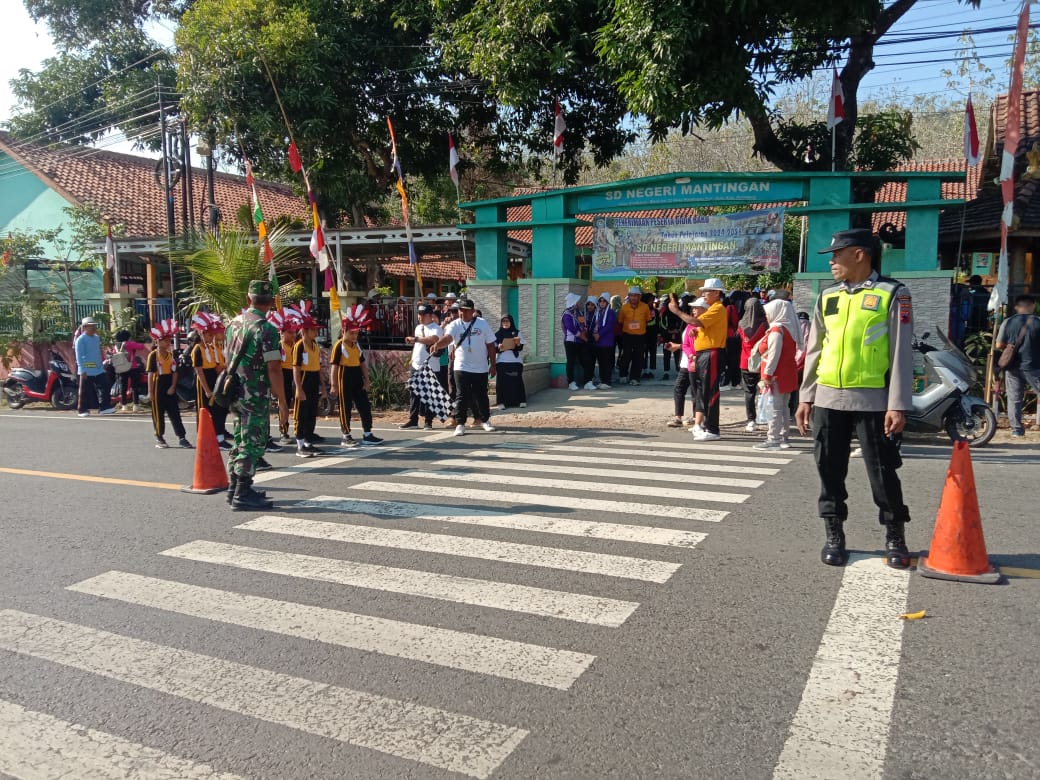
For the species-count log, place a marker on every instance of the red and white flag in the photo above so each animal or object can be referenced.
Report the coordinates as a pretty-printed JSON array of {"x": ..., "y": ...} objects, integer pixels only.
[
  {"x": 836, "y": 108},
  {"x": 110, "y": 248},
  {"x": 558, "y": 127},
  {"x": 971, "y": 134},
  {"x": 453, "y": 161}
]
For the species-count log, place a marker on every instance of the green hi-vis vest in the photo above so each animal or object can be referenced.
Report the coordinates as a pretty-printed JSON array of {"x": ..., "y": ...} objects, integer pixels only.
[{"x": 855, "y": 344}]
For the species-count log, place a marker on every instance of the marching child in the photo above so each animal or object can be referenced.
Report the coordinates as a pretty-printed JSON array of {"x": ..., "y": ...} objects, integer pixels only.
[
  {"x": 161, "y": 367},
  {"x": 287, "y": 321},
  {"x": 306, "y": 360},
  {"x": 351, "y": 376},
  {"x": 206, "y": 360}
]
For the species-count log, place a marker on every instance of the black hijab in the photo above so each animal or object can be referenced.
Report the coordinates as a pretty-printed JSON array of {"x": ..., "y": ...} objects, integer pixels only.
[
  {"x": 510, "y": 332},
  {"x": 754, "y": 316}
]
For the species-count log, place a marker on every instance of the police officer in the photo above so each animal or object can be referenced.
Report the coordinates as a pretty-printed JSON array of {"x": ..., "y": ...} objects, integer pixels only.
[
  {"x": 859, "y": 380},
  {"x": 252, "y": 348}
]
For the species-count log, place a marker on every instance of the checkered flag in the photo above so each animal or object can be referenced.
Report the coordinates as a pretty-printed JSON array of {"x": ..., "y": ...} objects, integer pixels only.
[{"x": 431, "y": 392}]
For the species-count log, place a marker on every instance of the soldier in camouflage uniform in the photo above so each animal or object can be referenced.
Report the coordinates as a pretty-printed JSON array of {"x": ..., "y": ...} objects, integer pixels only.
[{"x": 253, "y": 338}]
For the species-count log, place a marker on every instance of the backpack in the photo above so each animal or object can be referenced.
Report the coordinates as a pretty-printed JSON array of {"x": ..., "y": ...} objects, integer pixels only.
[{"x": 120, "y": 360}]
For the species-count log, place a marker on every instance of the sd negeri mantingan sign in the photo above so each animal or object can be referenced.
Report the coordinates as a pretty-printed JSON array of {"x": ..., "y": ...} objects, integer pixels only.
[
  {"x": 690, "y": 193},
  {"x": 748, "y": 242}
]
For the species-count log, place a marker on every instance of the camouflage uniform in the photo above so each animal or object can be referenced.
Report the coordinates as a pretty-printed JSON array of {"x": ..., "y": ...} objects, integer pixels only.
[{"x": 252, "y": 336}]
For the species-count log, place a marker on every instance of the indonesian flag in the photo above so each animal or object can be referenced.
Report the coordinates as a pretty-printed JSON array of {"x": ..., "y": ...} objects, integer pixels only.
[
  {"x": 294, "y": 158},
  {"x": 558, "y": 127},
  {"x": 971, "y": 135},
  {"x": 453, "y": 161},
  {"x": 110, "y": 248},
  {"x": 836, "y": 108}
]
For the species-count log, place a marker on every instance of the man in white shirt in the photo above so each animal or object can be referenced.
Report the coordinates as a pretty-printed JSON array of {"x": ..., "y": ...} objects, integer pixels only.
[
  {"x": 475, "y": 353},
  {"x": 427, "y": 333}
]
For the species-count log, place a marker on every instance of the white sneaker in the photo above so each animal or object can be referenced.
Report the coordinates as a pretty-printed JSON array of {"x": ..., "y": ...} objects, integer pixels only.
[
  {"x": 501, "y": 407},
  {"x": 603, "y": 386},
  {"x": 767, "y": 445},
  {"x": 589, "y": 386},
  {"x": 696, "y": 429},
  {"x": 489, "y": 427},
  {"x": 856, "y": 453},
  {"x": 523, "y": 404},
  {"x": 706, "y": 436},
  {"x": 84, "y": 414},
  {"x": 109, "y": 410},
  {"x": 750, "y": 427},
  {"x": 460, "y": 430},
  {"x": 572, "y": 386},
  {"x": 785, "y": 445}
]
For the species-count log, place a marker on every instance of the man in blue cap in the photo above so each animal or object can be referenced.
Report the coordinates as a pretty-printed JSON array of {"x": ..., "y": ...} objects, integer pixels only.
[{"x": 859, "y": 379}]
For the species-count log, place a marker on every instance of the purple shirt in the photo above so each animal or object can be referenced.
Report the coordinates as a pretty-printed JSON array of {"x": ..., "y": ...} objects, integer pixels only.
[{"x": 605, "y": 321}]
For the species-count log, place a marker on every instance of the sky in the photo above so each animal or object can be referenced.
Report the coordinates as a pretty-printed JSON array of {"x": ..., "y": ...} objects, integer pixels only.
[{"x": 907, "y": 67}]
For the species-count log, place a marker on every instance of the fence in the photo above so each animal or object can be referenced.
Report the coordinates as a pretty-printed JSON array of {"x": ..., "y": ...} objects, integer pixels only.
[{"x": 12, "y": 316}]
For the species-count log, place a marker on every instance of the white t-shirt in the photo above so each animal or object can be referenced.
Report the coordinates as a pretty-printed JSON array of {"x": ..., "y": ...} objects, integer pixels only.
[
  {"x": 420, "y": 352},
  {"x": 471, "y": 354},
  {"x": 508, "y": 356}
]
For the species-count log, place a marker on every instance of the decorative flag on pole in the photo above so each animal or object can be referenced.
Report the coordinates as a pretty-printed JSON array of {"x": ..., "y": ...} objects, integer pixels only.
[
  {"x": 1012, "y": 137},
  {"x": 836, "y": 107},
  {"x": 258, "y": 215},
  {"x": 110, "y": 248},
  {"x": 317, "y": 234},
  {"x": 413, "y": 259},
  {"x": 558, "y": 127},
  {"x": 453, "y": 161},
  {"x": 971, "y": 134},
  {"x": 294, "y": 157}
]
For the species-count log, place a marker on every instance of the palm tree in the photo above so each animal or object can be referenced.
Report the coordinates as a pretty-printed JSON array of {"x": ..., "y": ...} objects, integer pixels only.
[{"x": 221, "y": 266}]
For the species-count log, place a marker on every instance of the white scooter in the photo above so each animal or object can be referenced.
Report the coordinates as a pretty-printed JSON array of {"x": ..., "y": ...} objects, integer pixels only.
[{"x": 944, "y": 404}]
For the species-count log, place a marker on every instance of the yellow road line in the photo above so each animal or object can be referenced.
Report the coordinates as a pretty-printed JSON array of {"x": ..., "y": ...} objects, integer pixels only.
[{"x": 90, "y": 478}]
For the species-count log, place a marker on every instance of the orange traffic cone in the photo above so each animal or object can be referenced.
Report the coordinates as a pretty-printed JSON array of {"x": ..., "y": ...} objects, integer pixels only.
[
  {"x": 210, "y": 475},
  {"x": 958, "y": 550}
]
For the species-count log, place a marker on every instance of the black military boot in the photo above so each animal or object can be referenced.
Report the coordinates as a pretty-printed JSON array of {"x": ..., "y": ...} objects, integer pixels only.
[
  {"x": 233, "y": 486},
  {"x": 833, "y": 552},
  {"x": 247, "y": 498},
  {"x": 896, "y": 554}
]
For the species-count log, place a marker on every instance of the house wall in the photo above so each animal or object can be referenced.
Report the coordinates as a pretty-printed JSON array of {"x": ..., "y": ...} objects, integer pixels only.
[{"x": 26, "y": 204}]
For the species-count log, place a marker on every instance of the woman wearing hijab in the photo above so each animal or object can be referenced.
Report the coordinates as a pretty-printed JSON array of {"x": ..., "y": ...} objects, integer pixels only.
[
  {"x": 509, "y": 384},
  {"x": 572, "y": 321},
  {"x": 604, "y": 333},
  {"x": 752, "y": 327},
  {"x": 779, "y": 369},
  {"x": 588, "y": 346}
]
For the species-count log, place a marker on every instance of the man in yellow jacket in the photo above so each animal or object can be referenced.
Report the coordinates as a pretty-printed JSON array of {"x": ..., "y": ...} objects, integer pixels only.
[{"x": 859, "y": 379}]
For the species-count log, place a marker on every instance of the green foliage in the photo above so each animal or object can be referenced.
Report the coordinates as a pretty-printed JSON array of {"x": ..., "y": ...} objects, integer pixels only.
[
  {"x": 647, "y": 284},
  {"x": 220, "y": 268},
  {"x": 386, "y": 371}
]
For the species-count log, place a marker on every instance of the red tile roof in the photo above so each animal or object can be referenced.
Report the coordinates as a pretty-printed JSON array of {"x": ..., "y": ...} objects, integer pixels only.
[
  {"x": 433, "y": 269},
  {"x": 123, "y": 186}
]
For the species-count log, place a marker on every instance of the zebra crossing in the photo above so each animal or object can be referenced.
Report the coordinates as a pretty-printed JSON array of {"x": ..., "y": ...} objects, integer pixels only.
[{"x": 641, "y": 543}]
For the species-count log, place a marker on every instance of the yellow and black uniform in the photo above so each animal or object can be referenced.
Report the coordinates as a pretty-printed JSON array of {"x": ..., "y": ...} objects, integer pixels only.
[
  {"x": 305, "y": 410},
  {"x": 208, "y": 358},
  {"x": 710, "y": 361},
  {"x": 346, "y": 360},
  {"x": 164, "y": 367},
  {"x": 288, "y": 382}
]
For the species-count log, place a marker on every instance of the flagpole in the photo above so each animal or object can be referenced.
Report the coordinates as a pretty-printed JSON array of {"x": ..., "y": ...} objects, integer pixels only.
[
  {"x": 834, "y": 148},
  {"x": 462, "y": 233}
]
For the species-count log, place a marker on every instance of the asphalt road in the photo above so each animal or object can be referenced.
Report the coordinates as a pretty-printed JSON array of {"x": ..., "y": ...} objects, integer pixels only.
[{"x": 527, "y": 603}]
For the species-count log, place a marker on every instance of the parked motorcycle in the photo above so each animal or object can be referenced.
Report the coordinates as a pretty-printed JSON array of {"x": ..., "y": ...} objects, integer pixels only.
[
  {"x": 57, "y": 385},
  {"x": 944, "y": 404}
]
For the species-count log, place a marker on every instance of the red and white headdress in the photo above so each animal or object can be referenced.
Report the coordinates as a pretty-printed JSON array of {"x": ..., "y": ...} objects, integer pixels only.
[
  {"x": 165, "y": 329},
  {"x": 288, "y": 319},
  {"x": 357, "y": 317},
  {"x": 204, "y": 321}
]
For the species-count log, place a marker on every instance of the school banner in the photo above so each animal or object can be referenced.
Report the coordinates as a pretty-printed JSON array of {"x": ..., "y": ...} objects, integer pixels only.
[{"x": 747, "y": 242}]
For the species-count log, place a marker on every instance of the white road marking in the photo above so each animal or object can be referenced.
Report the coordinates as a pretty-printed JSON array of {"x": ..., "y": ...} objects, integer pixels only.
[
  {"x": 608, "y": 488},
  {"x": 41, "y": 747},
  {"x": 618, "y": 532},
  {"x": 694, "y": 451},
  {"x": 660, "y": 474},
  {"x": 443, "y": 487},
  {"x": 445, "y": 587},
  {"x": 485, "y": 549},
  {"x": 841, "y": 727},
  {"x": 458, "y": 743},
  {"x": 453, "y": 649},
  {"x": 707, "y": 447},
  {"x": 599, "y": 458}
]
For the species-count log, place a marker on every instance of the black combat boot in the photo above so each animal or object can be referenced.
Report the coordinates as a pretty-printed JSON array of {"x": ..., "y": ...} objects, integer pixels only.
[
  {"x": 247, "y": 498},
  {"x": 833, "y": 552},
  {"x": 233, "y": 486},
  {"x": 896, "y": 554}
]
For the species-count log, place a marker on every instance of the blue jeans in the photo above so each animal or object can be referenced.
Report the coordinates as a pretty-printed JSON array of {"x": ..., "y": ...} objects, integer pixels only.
[{"x": 1016, "y": 380}]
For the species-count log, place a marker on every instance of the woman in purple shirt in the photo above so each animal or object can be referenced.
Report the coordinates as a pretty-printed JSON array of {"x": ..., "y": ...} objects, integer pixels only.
[{"x": 603, "y": 332}]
